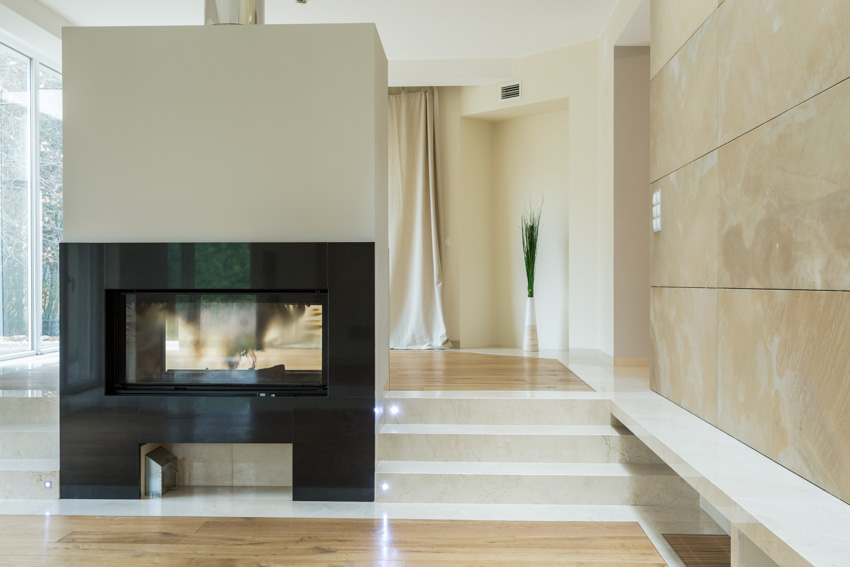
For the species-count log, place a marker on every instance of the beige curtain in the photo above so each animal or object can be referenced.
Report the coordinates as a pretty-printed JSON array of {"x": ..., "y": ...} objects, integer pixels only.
[{"x": 416, "y": 278}]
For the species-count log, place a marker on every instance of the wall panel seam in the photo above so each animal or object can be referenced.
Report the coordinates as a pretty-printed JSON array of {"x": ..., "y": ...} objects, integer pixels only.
[
  {"x": 667, "y": 62},
  {"x": 812, "y": 290},
  {"x": 768, "y": 121}
]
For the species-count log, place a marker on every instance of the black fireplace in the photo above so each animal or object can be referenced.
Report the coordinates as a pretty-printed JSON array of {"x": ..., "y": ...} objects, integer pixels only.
[{"x": 218, "y": 343}]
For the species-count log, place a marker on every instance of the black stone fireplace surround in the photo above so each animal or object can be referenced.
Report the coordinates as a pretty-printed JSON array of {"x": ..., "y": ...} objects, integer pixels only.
[{"x": 332, "y": 433}]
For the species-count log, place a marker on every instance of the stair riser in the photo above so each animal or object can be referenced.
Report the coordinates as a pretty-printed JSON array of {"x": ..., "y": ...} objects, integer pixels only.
[
  {"x": 498, "y": 412},
  {"x": 28, "y": 485},
  {"x": 515, "y": 448},
  {"x": 29, "y": 410},
  {"x": 29, "y": 445},
  {"x": 645, "y": 490}
]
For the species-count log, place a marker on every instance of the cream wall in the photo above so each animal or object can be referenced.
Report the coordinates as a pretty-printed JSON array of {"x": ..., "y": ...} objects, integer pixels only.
[
  {"x": 620, "y": 17},
  {"x": 749, "y": 145},
  {"x": 631, "y": 207},
  {"x": 552, "y": 81},
  {"x": 235, "y": 146},
  {"x": 490, "y": 170},
  {"x": 531, "y": 157},
  {"x": 578, "y": 79},
  {"x": 474, "y": 219}
]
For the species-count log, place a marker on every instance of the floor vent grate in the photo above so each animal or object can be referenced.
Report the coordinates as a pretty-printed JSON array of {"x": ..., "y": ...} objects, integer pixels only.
[{"x": 702, "y": 550}]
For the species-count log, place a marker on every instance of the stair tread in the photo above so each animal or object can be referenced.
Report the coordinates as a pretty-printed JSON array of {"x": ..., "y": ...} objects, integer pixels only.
[
  {"x": 464, "y": 429},
  {"x": 493, "y": 395},
  {"x": 522, "y": 468},
  {"x": 15, "y": 465}
]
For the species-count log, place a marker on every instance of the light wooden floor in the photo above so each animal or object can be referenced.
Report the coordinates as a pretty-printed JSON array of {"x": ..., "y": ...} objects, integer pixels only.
[
  {"x": 447, "y": 370},
  {"x": 74, "y": 541}
]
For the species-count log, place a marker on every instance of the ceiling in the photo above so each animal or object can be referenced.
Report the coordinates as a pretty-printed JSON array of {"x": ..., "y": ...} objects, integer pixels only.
[
  {"x": 410, "y": 29},
  {"x": 414, "y": 32}
]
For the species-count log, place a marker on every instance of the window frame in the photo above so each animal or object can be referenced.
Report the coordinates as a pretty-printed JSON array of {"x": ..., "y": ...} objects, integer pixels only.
[{"x": 37, "y": 59}]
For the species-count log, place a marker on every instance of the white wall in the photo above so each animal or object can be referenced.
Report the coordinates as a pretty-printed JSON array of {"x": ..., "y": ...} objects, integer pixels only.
[
  {"x": 631, "y": 202},
  {"x": 223, "y": 133},
  {"x": 531, "y": 157}
]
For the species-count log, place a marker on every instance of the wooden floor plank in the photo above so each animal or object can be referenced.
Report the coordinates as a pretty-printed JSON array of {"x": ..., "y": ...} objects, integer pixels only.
[
  {"x": 459, "y": 371},
  {"x": 238, "y": 542}
]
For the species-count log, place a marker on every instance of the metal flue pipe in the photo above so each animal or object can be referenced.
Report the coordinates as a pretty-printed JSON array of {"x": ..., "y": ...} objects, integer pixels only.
[{"x": 235, "y": 12}]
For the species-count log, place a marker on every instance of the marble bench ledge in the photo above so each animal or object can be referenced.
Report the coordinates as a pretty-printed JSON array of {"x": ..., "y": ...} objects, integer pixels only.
[{"x": 793, "y": 521}]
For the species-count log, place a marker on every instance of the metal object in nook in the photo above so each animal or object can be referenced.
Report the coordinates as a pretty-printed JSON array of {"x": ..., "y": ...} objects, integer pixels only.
[
  {"x": 162, "y": 474},
  {"x": 235, "y": 12}
]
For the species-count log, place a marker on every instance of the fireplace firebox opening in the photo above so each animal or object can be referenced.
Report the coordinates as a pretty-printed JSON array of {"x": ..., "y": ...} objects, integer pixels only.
[{"x": 217, "y": 342}]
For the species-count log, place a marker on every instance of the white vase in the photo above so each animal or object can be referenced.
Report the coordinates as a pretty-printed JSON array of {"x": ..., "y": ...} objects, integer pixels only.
[{"x": 529, "y": 339}]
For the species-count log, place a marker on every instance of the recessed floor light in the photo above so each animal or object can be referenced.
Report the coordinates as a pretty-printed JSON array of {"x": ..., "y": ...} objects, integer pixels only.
[
  {"x": 385, "y": 486},
  {"x": 48, "y": 484}
]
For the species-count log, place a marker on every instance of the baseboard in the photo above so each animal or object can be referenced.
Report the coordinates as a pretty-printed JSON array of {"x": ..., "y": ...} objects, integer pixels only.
[{"x": 631, "y": 361}]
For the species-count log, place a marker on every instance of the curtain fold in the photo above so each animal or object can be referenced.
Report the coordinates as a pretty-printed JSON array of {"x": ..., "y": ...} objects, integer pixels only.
[{"x": 416, "y": 277}]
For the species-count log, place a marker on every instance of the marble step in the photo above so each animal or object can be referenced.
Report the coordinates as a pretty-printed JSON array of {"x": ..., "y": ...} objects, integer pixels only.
[
  {"x": 532, "y": 483},
  {"x": 25, "y": 479},
  {"x": 512, "y": 443},
  {"x": 505, "y": 408},
  {"x": 29, "y": 440},
  {"x": 17, "y": 407}
]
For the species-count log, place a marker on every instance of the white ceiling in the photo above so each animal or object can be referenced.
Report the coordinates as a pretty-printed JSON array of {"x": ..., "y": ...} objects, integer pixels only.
[
  {"x": 409, "y": 29},
  {"x": 435, "y": 42}
]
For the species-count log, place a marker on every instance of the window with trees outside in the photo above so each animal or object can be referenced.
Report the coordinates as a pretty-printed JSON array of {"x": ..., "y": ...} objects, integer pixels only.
[{"x": 30, "y": 203}]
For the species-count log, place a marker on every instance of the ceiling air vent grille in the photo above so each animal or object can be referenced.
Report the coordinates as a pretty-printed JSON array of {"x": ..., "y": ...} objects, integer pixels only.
[{"x": 510, "y": 91}]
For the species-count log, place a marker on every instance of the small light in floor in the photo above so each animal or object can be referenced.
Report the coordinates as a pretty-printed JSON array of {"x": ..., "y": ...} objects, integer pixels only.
[
  {"x": 394, "y": 410},
  {"x": 385, "y": 486},
  {"x": 48, "y": 484}
]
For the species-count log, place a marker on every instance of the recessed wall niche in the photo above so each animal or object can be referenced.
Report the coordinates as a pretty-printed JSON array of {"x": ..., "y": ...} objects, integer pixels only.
[{"x": 236, "y": 465}]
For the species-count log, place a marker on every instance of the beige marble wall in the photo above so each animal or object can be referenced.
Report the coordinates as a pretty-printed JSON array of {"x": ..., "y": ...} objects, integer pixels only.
[
  {"x": 774, "y": 54},
  {"x": 784, "y": 215},
  {"x": 672, "y": 22},
  {"x": 683, "y": 104},
  {"x": 684, "y": 253},
  {"x": 750, "y": 314},
  {"x": 683, "y": 335},
  {"x": 783, "y": 364}
]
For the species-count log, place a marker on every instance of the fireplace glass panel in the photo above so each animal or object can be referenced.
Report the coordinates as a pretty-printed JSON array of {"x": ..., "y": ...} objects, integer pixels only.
[{"x": 222, "y": 340}]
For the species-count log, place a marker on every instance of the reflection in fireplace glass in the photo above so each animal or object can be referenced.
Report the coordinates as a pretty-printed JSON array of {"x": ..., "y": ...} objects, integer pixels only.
[{"x": 222, "y": 339}]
